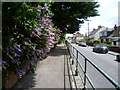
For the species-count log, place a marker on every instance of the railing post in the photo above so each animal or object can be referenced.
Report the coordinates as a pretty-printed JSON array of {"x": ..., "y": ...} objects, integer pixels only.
[
  {"x": 73, "y": 57},
  {"x": 76, "y": 71},
  {"x": 85, "y": 73},
  {"x": 70, "y": 51}
]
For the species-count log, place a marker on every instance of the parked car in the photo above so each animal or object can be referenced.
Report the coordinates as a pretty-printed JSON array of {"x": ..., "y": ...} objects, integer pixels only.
[
  {"x": 100, "y": 48},
  {"x": 77, "y": 42},
  {"x": 83, "y": 44},
  {"x": 118, "y": 57}
]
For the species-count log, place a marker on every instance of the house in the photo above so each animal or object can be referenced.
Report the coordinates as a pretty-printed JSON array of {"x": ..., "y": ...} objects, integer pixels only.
[
  {"x": 85, "y": 36},
  {"x": 115, "y": 36},
  {"x": 105, "y": 34},
  {"x": 91, "y": 36},
  {"x": 95, "y": 33},
  {"x": 78, "y": 36},
  {"x": 111, "y": 35}
]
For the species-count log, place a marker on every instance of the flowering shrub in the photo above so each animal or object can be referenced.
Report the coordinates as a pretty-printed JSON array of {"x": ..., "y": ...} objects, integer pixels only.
[{"x": 28, "y": 35}]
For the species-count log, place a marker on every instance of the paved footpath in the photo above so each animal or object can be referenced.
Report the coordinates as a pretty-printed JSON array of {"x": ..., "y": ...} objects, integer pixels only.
[{"x": 50, "y": 73}]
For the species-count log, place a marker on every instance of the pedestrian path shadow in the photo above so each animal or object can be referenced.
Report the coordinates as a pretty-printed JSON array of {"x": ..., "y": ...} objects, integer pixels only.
[
  {"x": 58, "y": 51},
  {"x": 26, "y": 82}
]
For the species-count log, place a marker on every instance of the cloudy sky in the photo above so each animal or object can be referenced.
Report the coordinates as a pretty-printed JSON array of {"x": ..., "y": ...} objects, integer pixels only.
[{"x": 108, "y": 11}]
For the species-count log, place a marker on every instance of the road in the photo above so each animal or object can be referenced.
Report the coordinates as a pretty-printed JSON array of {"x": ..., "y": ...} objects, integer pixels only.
[{"x": 106, "y": 62}]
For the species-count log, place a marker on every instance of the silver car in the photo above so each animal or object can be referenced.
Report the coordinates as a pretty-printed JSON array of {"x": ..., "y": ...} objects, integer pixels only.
[{"x": 100, "y": 48}]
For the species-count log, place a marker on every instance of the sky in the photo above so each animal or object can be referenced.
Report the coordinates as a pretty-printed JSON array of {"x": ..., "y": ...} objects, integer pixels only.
[{"x": 108, "y": 11}]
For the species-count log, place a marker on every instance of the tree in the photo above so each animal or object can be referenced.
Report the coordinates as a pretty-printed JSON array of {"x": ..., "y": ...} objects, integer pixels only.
[{"x": 68, "y": 15}]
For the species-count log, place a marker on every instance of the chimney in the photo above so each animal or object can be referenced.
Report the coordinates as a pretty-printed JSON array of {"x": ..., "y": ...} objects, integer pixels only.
[
  {"x": 99, "y": 26},
  {"x": 115, "y": 27}
]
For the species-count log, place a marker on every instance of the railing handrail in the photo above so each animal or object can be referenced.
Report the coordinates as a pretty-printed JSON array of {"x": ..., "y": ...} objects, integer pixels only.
[{"x": 117, "y": 86}]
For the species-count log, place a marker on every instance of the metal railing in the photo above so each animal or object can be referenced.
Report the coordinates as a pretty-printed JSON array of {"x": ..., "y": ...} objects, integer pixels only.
[{"x": 71, "y": 51}]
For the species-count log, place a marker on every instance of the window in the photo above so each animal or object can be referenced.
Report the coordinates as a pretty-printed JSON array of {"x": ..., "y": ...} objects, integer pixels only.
[{"x": 106, "y": 33}]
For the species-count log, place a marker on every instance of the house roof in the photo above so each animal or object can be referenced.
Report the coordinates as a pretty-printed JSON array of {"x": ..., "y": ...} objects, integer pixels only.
[
  {"x": 79, "y": 34},
  {"x": 114, "y": 33},
  {"x": 93, "y": 32},
  {"x": 104, "y": 37}
]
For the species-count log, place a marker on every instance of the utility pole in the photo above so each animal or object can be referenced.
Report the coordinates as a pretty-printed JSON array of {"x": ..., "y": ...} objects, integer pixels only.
[{"x": 88, "y": 28}]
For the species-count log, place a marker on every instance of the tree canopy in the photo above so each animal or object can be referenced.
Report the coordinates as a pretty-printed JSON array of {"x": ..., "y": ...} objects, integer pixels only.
[{"x": 68, "y": 15}]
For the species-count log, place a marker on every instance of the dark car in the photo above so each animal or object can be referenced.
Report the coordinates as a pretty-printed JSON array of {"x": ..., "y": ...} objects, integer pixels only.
[
  {"x": 100, "y": 48},
  {"x": 83, "y": 44},
  {"x": 118, "y": 57}
]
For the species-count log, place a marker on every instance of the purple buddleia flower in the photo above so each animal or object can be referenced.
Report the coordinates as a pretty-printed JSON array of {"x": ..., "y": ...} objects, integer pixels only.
[
  {"x": 48, "y": 47},
  {"x": 17, "y": 70},
  {"x": 24, "y": 67},
  {"x": 49, "y": 27},
  {"x": 59, "y": 31},
  {"x": 20, "y": 72},
  {"x": 45, "y": 51},
  {"x": 50, "y": 40},
  {"x": 39, "y": 17},
  {"x": 34, "y": 34},
  {"x": 43, "y": 25},
  {"x": 11, "y": 49},
  {"x": 38, "y": 29},
  {"x": 47, "y": 43},
  {"x": 46, "y": 19},
  {"x": 10, "y": 41},
  {"x": 39, "y": 51},
  {"x": 19, "y": 49},
  {"x": 48, "y": 11},
  {"x": 3, "y": 62},
  {"x": 35, "y": 44},
  {"x": 14, "y": 61},
  {"x": 52, "y": 34},
  {"x": 42, "y": 51},
  {"x": 15, "y": 54},
  {"x": 46, "y": 35},
  {"x": 39, "y": 33},
  {"x": 45, "y": 6},
  {"x": 29, "y": 60},
  {"x": 27, "y": 39},
  {"x": 53, "y": 43},
  {"x": 50, "y": 21},
  {"x": 39, "y": 21},
  {"x": 39, "y": 11}
]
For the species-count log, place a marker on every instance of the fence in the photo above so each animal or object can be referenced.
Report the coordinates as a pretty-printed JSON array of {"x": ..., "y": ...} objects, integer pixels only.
[{"x": 80, "y": 69}]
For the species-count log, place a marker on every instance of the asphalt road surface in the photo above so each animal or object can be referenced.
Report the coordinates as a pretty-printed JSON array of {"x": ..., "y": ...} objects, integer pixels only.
[{"x": 106, "y": 62}]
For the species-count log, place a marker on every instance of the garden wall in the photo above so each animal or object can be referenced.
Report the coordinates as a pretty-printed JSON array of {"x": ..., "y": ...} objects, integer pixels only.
[{"x": 114, "y": 49}]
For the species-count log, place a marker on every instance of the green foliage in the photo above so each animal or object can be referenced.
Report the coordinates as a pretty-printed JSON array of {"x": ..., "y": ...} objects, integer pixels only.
[
  {"x": 62, "y": 38},
  {"x": 108, "y": 44},
  {"x": 105, "y": 42},
  {"x": 81, "y": 40},
  {"x": 68, "y": 15},
  {"x": 96, "y": 41}
]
